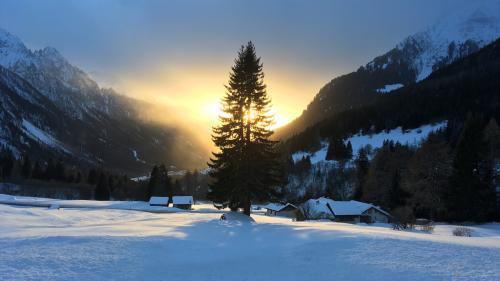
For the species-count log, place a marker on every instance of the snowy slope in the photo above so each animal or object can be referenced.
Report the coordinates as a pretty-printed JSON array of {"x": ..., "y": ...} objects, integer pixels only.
[
  {"x": 45, "y": 244},
  {"x": 410, "y": 137}
]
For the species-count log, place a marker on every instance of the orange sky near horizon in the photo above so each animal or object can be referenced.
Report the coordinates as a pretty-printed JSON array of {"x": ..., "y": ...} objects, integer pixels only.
[{"x": 194, "y": 93}]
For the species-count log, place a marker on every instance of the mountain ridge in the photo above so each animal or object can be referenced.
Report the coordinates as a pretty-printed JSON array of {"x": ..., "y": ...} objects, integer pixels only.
[
  {"x": 96, "y": 126},
  {"x": 412, "y": 60}
]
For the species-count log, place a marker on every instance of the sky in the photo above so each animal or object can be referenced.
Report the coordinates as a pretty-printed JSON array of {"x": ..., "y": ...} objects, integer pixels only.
[{"x": 179, "y": 53}]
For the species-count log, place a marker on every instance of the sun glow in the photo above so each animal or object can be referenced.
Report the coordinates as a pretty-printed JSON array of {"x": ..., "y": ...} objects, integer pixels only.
[{"x": 213, "y": 110}]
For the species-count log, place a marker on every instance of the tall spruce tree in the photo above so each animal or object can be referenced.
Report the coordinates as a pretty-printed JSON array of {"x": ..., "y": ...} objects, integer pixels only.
[
  {"x": 471, "y": 195},
  {"x": 362, "y": 167},
  {"x": 247, "y": 166},
  {"x": 101, "y": 192}
]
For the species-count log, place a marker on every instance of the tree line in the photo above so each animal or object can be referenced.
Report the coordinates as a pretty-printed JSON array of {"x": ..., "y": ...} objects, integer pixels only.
[
  {"x": 101, "y": 184},
  {"x": 451, "y": 176}
]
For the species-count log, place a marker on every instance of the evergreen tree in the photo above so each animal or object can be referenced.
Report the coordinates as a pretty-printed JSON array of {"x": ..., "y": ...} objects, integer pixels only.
[
  {"x": 338, "y": 150},
  {"x": 38, "y": 172},
  {"x": 382, "y": 186},
  {"x": 159, "y": 182},
  {"x": 26, "y": 169},
  {"x": 471, "y": 195},
  {"x": 78, "y": 177},
  {"x": 102, "y": 189},
  {"x": 50, "y": 171},
  {"x": 362, "y": 167},
  {"x": 6, "y": 162},
  {"x": 92, "y": 177},
  {"x": 427, "y": 178},
  {"x": 60, "y": 171},
  {"x": 246, "y": 168}
]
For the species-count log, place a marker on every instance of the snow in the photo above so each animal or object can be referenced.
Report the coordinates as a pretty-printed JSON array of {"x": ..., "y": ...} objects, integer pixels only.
[
  {"x": 478, "y": 21},
  {"x": 316, "y": 157},
  {"x": 182, "y": 200},
  {"x": 88, "y": 204},
  {"x": 105, "y": 244},
  {"x": 38, "y": 134},
  {"x": 274, "y": 206},
  {"x": 410, "y": 137},
  {"x": 41, "y": 136},
  {"x": 141, "y": 178},
  {"x": 318, "y": 207},
  {"x": 176, "y": 173},
  {"x": 136, "y": 156},
  {"x": 157, "y": 200},
  {"x": 389, "y": 88}
]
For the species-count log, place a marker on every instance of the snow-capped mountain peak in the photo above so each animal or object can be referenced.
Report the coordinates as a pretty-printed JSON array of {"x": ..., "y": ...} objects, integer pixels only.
[
  {"x": 454, "y": 36},
  {"x": 12, "y": 49}
]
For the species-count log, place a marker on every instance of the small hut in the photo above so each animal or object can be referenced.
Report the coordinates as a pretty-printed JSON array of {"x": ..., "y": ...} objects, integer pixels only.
[{"x": 182, "y": 202}]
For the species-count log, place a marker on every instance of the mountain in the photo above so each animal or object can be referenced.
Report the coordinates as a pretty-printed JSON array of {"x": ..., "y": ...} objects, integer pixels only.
[
  {"x": 443, "y": 101},
  {"x": 453, "y": 37},
  {"x": 51, "y": 108}
]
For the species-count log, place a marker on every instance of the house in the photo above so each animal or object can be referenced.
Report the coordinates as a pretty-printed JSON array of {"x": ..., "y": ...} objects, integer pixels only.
[
  {"x": 182, "y": 202},
  {"x": 159, "y": 201},
  {"x": 344, "y": 211},
  {"x": 275, "y": 209}
]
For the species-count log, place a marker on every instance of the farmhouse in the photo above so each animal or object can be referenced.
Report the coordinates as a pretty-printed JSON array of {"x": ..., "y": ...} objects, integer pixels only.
[
  {"x": 159, "y": 201},
  {"x": 344, "y": 211},
  {"x": 288, "y": 210},
  {"x": 182, "y": 202}
]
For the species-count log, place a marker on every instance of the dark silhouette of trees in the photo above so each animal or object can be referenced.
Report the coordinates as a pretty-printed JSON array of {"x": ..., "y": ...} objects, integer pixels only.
[
  {"x": 362, "y": 167},
  {"x": 427, "y": 178},
  {"x": 26, "y": 169},
  {"x": 471, "y": 195},
  {"x": 383, "y": 182},
  {"x": 338, "y": 150},
  {"x": 247, "y": 166},
  {"x": 159, "y": 182},
  {"x": 102, "y": 189}
]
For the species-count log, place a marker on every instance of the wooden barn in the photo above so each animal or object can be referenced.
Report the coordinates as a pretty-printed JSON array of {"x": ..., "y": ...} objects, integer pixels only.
[
  {"x": 282, "y": 210},
  {"x": 182, "y": 202}
]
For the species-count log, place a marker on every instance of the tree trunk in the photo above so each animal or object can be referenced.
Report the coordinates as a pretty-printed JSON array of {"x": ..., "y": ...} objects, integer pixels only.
[{"x": 246, "y": 208}]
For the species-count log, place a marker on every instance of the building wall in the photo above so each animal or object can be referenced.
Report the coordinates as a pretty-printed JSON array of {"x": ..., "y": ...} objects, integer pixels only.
[
  {"x": 183, "y": 206},
  {"x": 377, "y": 216},
  {"x": 288, "y": 214}
]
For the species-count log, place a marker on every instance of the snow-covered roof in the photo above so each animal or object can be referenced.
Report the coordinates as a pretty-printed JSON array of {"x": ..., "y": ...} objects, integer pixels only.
[
  {"x": 182, "y": 200},
  {"x": 274, "y": 206},
  {"x": 277, "y": 206},
  {"x": 158, "y": 200},
  {"x": 340, "y": 208}
]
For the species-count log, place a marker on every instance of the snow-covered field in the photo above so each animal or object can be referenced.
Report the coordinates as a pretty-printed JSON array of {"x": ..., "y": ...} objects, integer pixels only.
[{"x": 105, "y": 244}]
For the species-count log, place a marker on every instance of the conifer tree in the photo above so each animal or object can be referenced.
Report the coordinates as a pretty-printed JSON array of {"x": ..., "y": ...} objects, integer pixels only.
[
  {"x": 37, "y": 171},
  {"x": 362, "y": 167},
  {"x": 26, "y": 169},
  {"x": 92, "y": 177},
  {"x": 471, "y": 195},
  {"x": 102, "y": 189},
  {"x": 159, "y": 183},
  {"x": 247, "y": 166}
]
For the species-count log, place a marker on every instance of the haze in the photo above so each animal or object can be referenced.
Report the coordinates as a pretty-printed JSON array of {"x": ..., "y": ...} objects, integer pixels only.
[{"x": 179, "y": 53}]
